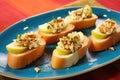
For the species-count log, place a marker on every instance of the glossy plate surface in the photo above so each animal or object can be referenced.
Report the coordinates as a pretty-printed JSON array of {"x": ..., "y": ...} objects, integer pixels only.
[{"x": 90, "y": 62}]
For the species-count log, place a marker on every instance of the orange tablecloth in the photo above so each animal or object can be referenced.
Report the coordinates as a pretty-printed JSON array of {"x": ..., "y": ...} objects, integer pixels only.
[
  {"x": 15, "y": 10},
  {"x": 112, "y": 4}
]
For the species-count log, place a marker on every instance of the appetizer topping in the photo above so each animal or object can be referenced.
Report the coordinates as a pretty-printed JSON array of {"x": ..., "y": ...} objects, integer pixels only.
[
  {"x": 87, "y": 12},
  {"x": 54, "y": 26},
  {"x": 72, "y": 42},
  {"x": 82, "y": 13},
  {"x": 104, "y": 29},
  {"x": 37, "y": 69},
  {"x": 77, "y": 14},
  {"x": 57, "y": 25},
  {"x": 30, "y": 40},
  {"x": 111, "y": 48},
  {"x": 107, "y": 27}
]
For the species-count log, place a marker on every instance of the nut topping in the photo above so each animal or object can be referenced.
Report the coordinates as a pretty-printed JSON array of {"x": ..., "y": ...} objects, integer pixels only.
[
  {"x": 57, "y": 25},
  {"x": 107, "y": 27},
  {"x": 81, "y": 13},
  {"x": 73, "y": 41},
  {"x": 30, "y": 40}
]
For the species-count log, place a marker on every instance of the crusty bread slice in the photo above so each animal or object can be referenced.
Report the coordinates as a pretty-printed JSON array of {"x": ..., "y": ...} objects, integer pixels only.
[
  {"x": 96, "y": 44},
  {"x": 63, "y": 61},
  {"x": 54, "y": 37},
  {"x": 82, "y": 24},
  {"x": 21, "y": 60}
]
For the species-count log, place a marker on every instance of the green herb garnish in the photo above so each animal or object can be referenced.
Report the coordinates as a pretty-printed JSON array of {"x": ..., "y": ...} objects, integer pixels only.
[
  {"x": 19, "y": 35},
  {"x": 48, "y": 27},
  {"x": 112, "y": 19},
  {"x": 68, "y": 37},
  {"x": 53, "y": 18},
  {"x": 74, "y": 40}
]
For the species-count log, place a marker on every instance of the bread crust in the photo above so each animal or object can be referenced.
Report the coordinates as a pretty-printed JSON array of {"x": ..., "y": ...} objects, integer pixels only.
[
  {"x": 63, "y": 61},
  {"x": 82, "y": 24},
  {"x": 21, "y": 60},
  {"x": 54, "y": 37},
  {"x": 103, "y": 44}
]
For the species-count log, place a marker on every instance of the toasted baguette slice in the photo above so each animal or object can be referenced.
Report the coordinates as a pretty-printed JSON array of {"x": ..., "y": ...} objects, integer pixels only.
[
  {"x": 102, "y": 44},
  {"x": 82, "y": 24},
  {"x": 54, "y": 37},
  {"x": 63, "y": 61},
  {"x": 21, "y": 60}
]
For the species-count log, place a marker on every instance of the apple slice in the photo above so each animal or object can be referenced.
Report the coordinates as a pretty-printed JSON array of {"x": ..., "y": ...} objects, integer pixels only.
[
  {"x": 99, "y": 35},
  {"x": 88, "y": 11},
  {"x": 45, "y": 28},
  {"x": 12, "y": 48},
  {"x": 62, "y": 51}
]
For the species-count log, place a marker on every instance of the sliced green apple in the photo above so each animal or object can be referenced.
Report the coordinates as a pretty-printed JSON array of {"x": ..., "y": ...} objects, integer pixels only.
[
  {"x": 62, "y": 51},
  {"x": 45, "y": 28},
  {"x": 12, "y": 48},
  {"x": 88, "y": 11},
  {"x": 98, "y": 35}
]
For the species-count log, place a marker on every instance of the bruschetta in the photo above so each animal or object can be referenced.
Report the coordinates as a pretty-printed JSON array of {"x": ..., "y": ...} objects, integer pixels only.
[
  {"x": 69, "y": 50},
  {"x": 105, "y": 35},
  {"x": 25, "y": 49},
  {"x": 82, "y": 18},
  {"x": 54, "y": 29}
]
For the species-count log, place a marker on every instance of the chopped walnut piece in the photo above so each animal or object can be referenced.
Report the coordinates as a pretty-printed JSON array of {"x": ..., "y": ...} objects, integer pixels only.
[
  {"x": 107, "y": 27},
  {"x": 111, "y": 48},
  {"x": 59, "y": 19},
  {"x": 73, "y": 41},
  {"x": 37, "y": 69},
  {"x": 79, "y": 14},
  {"x": 76, "y": 14},
  {"x": 57, "y": 25},
  {"x": 30, "y": 40}
]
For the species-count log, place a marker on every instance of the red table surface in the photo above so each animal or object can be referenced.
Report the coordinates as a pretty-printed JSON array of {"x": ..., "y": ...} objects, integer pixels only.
[
  {"x": 12, "y": 11},
  {"x": 15, "y": 10}
]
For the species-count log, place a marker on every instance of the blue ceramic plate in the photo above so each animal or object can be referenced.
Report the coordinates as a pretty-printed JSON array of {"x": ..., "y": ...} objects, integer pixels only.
[{"x": 90, "y": 62}]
